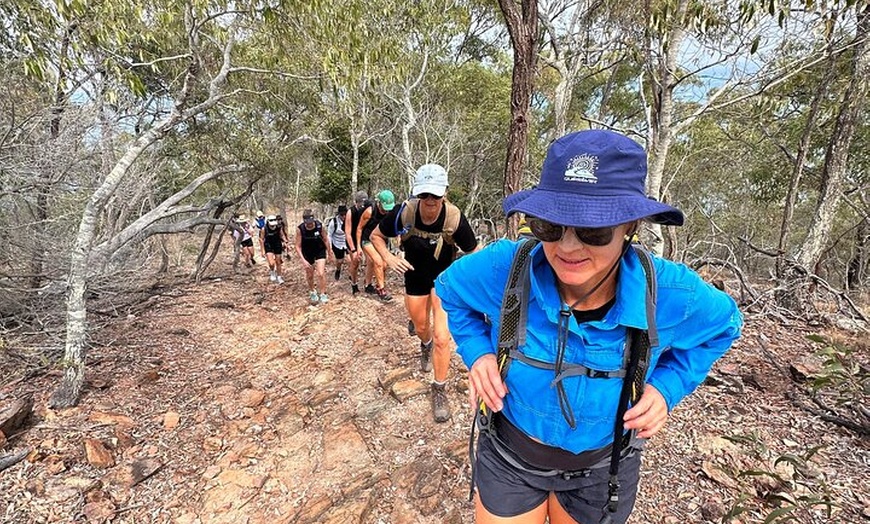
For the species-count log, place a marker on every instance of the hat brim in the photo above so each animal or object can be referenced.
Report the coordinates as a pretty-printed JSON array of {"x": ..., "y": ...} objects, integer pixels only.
[
  {"x": 387, "y": 207},
  {"x": 586, "y": 211},
  {"x": 434, "y": 189}
]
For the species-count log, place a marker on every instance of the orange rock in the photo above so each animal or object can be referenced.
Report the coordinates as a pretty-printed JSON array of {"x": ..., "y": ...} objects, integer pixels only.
[
  {"x": 97, "y": 454},
  {"x": 251, "y": 398},
  {"x": 171, "y": 420},
  {"x": 111, "y": 418}
]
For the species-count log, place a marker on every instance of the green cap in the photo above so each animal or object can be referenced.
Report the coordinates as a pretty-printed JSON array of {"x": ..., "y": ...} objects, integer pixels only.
[{"x": 387, "y": 199}]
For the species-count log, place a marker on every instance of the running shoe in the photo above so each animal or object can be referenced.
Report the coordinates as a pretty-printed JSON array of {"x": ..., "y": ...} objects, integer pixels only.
[
  {"x": 384, "y": 295},
  {"x": 272, "y": 276},
  {"x": 337, "y": 274},
  {"x": 324, "y": 298},
  {"x": 314, "y": 297},
  {"x": 426, "y": 356},
  {"x": 354, "y": 288},
  {"x": 440, "y": 404},
  {"x": 370, "y": 289},
  {"x": 279, "y": 280}
]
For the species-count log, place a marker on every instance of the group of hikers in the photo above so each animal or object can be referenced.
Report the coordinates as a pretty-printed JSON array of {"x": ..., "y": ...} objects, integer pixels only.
[{"x": 579, "y": 343}]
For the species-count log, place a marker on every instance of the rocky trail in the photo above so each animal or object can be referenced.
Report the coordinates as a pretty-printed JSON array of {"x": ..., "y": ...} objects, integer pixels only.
[{"x": 236, "y": 401}]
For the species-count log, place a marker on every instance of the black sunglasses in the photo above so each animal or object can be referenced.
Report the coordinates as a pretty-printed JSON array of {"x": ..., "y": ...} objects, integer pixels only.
[
  {"x": 425, "y": 196},
  {"x": 591, "y": 236}
]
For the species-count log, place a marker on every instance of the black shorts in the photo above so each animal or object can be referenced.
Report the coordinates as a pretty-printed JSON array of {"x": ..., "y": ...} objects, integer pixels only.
[
  {"x": 274, "y": 246},
  {"x": 506, "y": 491},
  {"x": 248, "y": 243},
  {"x": 419, "y": 282},
  {"x": 312, "y": 255},
  {"x": 338, "y": 252}
]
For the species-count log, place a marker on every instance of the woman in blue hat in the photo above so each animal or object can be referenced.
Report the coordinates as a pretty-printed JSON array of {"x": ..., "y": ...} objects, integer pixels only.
[{"x": 599, "y": 343}]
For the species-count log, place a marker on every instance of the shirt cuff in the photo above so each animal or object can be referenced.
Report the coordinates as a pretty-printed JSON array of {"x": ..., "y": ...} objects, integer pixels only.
[{"x": 474, "y": 348}]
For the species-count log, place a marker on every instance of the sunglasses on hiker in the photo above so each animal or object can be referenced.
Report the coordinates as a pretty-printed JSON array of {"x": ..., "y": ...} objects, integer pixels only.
[
  {"x": 427, "y": 196},
  {"x": 591, "y": 236}
]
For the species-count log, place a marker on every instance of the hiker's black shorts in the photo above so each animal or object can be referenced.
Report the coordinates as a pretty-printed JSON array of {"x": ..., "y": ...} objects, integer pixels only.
[
  {"x": 273, "y": 246},
  {"x": 312, "y": 255},
  {"x": 248, "y": 243},
  {"x": 419, "y": 282},
  {"x": 338, "y": 252},
  {"x": 506, "y": 491}
]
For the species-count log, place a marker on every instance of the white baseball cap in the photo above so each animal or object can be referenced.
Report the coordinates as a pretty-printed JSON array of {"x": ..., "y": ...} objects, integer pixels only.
[{"x": 430, "y": 178}]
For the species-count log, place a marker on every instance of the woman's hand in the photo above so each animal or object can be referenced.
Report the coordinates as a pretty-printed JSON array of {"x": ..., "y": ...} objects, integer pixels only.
[
  {"x": 485, "y": 383},
  {"x": 649, "y": 415}
]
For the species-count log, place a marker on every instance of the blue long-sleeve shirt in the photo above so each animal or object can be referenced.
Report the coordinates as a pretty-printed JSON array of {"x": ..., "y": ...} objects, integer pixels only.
[{"x": 696, "y": 325}]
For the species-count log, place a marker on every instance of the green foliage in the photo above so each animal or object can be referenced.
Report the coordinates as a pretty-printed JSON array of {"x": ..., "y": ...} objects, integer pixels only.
[
  {"x": 334, "y": 166},
  {"x": 792, "y": 495},
  {"x": 842, "y": 376}
]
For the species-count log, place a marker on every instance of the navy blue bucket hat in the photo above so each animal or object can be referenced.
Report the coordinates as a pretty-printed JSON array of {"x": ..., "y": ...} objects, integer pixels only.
[{"x": 593, "y": 178}]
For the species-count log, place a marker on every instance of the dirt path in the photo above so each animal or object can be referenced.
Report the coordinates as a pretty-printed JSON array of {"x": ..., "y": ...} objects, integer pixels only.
[{"x": 235, "y": 401}]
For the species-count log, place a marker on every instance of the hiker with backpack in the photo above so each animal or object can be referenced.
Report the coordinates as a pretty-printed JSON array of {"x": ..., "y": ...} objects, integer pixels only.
[
  {"x": 431, "y": 229},
  {"x": 312, "y": 246},
  {"x": 273, "y": 238},
  {"x": 351, "y": 226},
  {"x": 337, "y": 238},
  {"x": 371, "y": 217},
  {"x": 579, "y": 343}
]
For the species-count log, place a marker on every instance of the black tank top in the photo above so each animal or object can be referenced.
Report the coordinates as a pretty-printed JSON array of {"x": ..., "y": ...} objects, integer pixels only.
[
  {"x": 355, "y": 215},
  {"x": 373, "y": 222},
  {"x": 272, "y": 234},
  {"x": 311, "y": 238}
]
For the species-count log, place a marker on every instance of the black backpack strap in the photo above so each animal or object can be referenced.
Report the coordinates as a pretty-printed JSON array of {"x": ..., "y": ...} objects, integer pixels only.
[
  {"x": 639, "y": 345},
  {"x": 511, "y": 335}
]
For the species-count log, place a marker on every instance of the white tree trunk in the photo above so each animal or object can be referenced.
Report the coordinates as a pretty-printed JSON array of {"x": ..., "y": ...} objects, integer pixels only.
[
  {"x": 662, "y": 113},
  {"x": 837, "y": 155},
  {"x": 67, "y": 394}
]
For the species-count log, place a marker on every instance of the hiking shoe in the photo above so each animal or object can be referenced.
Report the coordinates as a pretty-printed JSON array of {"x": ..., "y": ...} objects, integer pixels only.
[
  {"x": 384, "y": 295},
  {"x": 279, "y": 279},
  {"x": 314, "y": 297},
  {"x": 440, "y": 404},
  {"x": 354, "y": 289},
  {"x": 411, "y": 329},
  {"x": 426, "y": 356},
  {"x": 337, "y": 274},
  {"x": 324, "y": 298},
  {"x": 370, "y": 289},
  {"x": 272, "y": 276}
]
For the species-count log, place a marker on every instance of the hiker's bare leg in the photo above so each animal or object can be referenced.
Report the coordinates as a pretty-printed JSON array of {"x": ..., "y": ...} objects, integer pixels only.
[
  {"x": 376, "y": 263},
  {"x": 418, "y": 310},
  {"x": 277, "y": 263},
  {"x": 370, "y": 271},
  {"x": 271, "y": 259},
  {"x": 309, "y": 276},
  {"x": 442, "y": 351},
  {"x": 536, "y": 516},
  {"x": 320, "y": 269},
  {"x": 353, "y": 266}
]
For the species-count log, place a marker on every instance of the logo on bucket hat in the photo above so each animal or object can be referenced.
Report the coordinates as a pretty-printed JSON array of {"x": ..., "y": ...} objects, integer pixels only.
[
  {"x": 611, "y": 171},
  {"x": 581, "y": 168}
]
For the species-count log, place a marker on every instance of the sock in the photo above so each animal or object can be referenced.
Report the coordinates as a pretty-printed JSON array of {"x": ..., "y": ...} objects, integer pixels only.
[{"x": 439, "y": 384}]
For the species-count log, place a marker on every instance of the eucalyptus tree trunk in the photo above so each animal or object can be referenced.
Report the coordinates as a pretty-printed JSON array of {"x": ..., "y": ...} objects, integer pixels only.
[
  {"x": 76, "y": 322},
  {"x": 522, "y": 23},
  {"x": 69, "y": 392},
  {"x": 662, "y": 71},
  {"x": 837, "y": 154},
  {"x": 354, "y": 171},
  {"x": 789, "y": 296}
]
